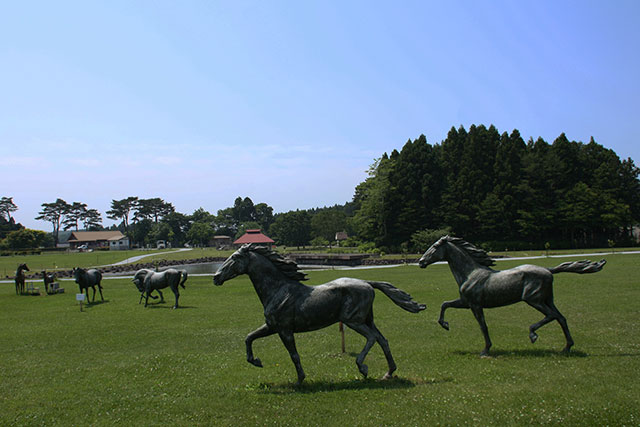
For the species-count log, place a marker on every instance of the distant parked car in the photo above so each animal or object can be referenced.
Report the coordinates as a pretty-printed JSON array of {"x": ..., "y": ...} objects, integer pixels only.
[{"x": 83, "y": 248}]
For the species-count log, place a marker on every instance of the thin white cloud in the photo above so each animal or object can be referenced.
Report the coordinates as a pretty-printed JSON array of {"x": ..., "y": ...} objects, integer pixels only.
[{"x": 21, "y": 161}]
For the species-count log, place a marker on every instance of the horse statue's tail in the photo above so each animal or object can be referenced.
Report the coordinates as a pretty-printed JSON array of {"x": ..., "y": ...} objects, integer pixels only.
[
  {"x": 398, "y": 296},
  {"x": 580, "y": 267},
  {"x": 184, "y": 276}
]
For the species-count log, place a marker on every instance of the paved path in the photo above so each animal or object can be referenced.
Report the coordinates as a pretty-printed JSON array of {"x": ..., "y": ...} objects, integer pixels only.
[{"x": 139, "y": 257}]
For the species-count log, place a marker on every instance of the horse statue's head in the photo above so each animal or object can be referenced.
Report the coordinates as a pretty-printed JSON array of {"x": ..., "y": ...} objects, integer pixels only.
[
  {"x": 438, "y": 252},
  {"x": 78, "y": 273},
  {"x": 435, "y": 253},
  {"x": 233, "y": 266},
  {"x": 238, "y": 263},
  {"x": 138, "y": 278},
  {"x": 23, "y": 267}
]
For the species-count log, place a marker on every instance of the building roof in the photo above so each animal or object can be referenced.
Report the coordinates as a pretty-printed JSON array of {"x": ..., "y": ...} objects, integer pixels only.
[
  {"x": 342, "y": 235},
  {"x": 94, "y": 236},
  {"x": 253, "y": 236}
]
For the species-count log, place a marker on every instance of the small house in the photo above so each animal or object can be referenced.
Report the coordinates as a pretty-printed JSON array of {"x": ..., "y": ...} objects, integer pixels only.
[
  {"x": 114, "y": 240},
  {"x": 221, "y": 242}
]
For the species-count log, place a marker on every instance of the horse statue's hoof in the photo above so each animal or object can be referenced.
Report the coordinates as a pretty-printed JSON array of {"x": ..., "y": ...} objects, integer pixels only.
[
  {"x": 256, "y": 362},
  {"x": 533, "y": 337},
  {"x": 444, "y": 324},
  {"x": 364, "y": 370}
]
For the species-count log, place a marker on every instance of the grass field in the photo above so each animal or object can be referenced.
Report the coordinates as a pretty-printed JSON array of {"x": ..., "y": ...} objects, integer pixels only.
[{"x": 117, "y": 362}]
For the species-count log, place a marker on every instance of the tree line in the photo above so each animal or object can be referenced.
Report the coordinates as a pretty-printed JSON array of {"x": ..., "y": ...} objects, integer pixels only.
[
  {"x": 491, "y": 188},
  {"x": 498, "y": 190}
]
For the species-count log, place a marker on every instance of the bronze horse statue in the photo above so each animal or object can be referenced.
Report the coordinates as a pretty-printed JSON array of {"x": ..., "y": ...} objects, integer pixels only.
[
  {"x": 482, "y": 287},
  {"x": 291, "y": 307},
  {"x": 20, "y": 278},
  {"x": 88, "y": 279},
  {"x": 148, "y": 280},
  {"x": 48, "y": 279}
]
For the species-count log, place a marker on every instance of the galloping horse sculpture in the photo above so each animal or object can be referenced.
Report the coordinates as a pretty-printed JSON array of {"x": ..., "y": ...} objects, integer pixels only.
[
  {"x": 20, "y": 277},
  {"x": 482, "y": 287},
  {"x": 148, "y": 280},
  {"x": 88, "y": 279},
  {"x": 290, "y": 306}
]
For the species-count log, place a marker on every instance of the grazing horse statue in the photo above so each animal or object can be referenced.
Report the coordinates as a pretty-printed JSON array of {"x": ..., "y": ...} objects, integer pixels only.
[
  {"x": 20, "y": 277},
  {"x": 482, "y": 287},
  {"x": 88, "y": 279},
  {"x": 48, "y": 279},
  {"x": 148, "y": 280},
  {"x": 290, "y": 306},
  {"x": 138, "y": 279}
]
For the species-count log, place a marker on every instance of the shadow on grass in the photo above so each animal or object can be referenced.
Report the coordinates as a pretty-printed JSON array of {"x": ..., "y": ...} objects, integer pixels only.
[
  {"x": 95, "y": 303},
  {"x": 355, "y": 384},
  {"x": 524, "y": 353},
  {"x": 88, "y": 306},
  {"x": 168, "y": 306}
]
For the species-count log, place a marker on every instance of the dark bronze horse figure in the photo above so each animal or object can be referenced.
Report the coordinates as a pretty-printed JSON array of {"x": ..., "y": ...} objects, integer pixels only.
[
  {"x": 148, "y": 280},
  {"x": 48, "y": 279},
  {"x": 20, "y": 278},
  {"x": 290, "y": 306},
  {"x": 88, "y": 279},
  {"x": 482, "y": 287}
]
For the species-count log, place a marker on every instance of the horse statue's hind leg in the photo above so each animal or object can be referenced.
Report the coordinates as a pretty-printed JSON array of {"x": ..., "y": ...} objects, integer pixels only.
[
  {"x": 373, "y": 335},
  {"x": 551, "y": 313},
  {"x": 176, "y": 293}
]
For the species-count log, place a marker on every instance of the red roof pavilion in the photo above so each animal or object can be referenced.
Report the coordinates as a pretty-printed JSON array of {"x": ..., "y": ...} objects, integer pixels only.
[{"x": 254, "y": 236}]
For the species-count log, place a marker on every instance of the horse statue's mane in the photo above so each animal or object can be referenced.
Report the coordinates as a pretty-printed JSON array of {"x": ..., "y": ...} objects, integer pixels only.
[
  {"x": 287, "y": 266},
  {"x": 480, "y": 256}
]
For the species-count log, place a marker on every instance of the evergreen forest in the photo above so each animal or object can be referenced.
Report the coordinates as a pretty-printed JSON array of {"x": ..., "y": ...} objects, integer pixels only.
[{"x": 499, "y": 191}]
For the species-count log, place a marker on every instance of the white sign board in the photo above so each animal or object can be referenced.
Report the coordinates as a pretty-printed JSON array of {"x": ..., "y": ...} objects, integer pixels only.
[{"x": 80, "y": 297}]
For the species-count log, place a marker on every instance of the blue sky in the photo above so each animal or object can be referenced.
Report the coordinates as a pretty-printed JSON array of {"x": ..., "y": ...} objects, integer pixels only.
[{"x": 289, "y": 102}]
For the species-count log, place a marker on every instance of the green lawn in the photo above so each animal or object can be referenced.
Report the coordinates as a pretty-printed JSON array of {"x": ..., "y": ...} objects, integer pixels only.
[{"x": 117, "y": 362}]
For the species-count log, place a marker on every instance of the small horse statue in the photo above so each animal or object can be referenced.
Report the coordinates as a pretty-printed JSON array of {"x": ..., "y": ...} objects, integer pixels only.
[
  {"x": 48, "y": 279},
  {"x": 148, "y": 280},
  {"x": 140, "y": 281},
  {"x": 482, "y": 287},
  {"x": 291, "y": 307},
  {"x": 88, "y": 279},
  {"x": 20, "y": 278}
]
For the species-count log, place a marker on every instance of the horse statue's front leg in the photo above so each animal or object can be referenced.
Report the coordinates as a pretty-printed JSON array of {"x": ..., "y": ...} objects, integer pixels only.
[
  {"x": 147, "y": 293},
  {"x": 262, "y": 331},
  {"x": 458, "y": 303},
  {"x": 479, "y": 315},
  {"x": 289, "y": 342}
]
